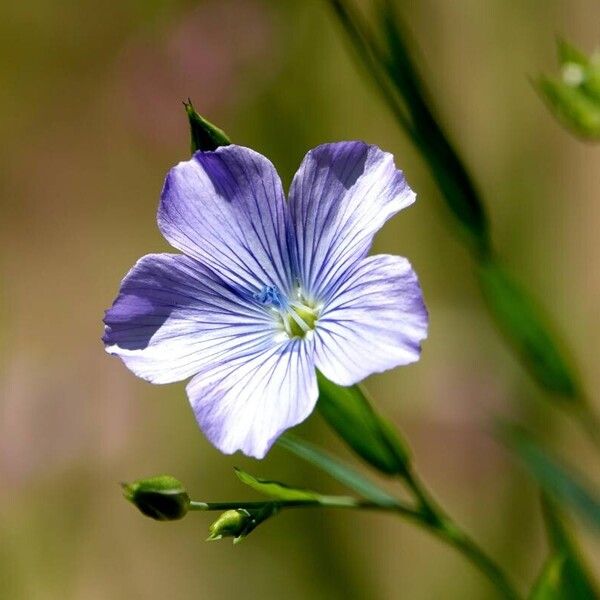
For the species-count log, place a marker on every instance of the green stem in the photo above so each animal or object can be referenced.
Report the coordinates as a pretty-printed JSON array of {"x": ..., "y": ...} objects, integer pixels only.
[
  {"x": 450, "y": 534},
  {"x": 428, "y": 516},
  {"x": 441, "y": 525},
  {"x": 366, "y": 48},
  {"x": 330, "y": 502}
]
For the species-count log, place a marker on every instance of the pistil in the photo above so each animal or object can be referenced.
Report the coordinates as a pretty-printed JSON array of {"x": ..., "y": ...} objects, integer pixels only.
[{"x": 296, "y": 317}]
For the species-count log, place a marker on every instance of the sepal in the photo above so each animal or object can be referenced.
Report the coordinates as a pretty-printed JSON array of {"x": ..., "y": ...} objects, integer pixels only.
[
  {"x": 240, "y": 522},
  {"x": 204, "y": 135}
]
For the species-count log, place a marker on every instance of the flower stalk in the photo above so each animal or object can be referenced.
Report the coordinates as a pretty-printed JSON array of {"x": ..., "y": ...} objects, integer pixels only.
[
  {"x": 352, "y": 416},
  {"x": 348, "y": 410},
  {"x": 428, "y": 516},
  {"x": 433, "y": 517}
]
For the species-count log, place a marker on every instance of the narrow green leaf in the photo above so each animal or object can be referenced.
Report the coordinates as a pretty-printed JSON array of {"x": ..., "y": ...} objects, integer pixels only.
[
  {"x": 557, "y": 480},
  {"x": 204, "y": 135},
  {"x": 390, "y": 67},
  {"x": 444, "y": 162},
  {"x": 274, "y": 489},
  {"x": 551, "y": 582},
  {"x": 574, "y": 580},
  {"x": 337, "y": 469},
  {"x": 524, "y": 326},
  {"x": 281, "y": 491},
  {"x": 349, "y": 413},
  {"x": 369, "y": 58}
]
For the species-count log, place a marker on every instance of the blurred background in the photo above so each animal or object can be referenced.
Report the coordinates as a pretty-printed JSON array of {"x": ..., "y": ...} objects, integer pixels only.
[{"x": 91, "y": 120}]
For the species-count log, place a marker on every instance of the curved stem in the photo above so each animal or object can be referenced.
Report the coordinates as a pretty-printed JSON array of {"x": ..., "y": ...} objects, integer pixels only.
[
  {"x": 449, "y": 533},
  {"x": 428, "y": 515},
  {"x": 435, "y": 519}
]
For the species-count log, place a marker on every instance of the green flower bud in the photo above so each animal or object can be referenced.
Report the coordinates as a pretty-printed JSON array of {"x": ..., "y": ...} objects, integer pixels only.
[
  {"x": 348, "y": 411},
  {"x": 162, "y": 498},
  {"x": 232, "y": 523},
  {"x": 240, "y": 522},
  {"x": 204, "y": 135}
]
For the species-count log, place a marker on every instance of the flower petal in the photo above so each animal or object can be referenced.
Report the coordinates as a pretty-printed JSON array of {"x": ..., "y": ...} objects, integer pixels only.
[
  {"x": 340, "y": 197},
  {"x": 173, "y": 316},
  {"x": 374, "y": 322},
  {"x": 227, "y": 209},
  {"x": 247, "y": 402}
]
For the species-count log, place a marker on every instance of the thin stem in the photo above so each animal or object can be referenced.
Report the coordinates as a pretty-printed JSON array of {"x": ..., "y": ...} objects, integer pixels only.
[
  {"x": 435, "y": 519},
  {"x": 368, "y": 51},
  {"x": 450, "y": 534},
  {"x": 426, "y": 513},
  {"x": 326, "y": 502},
  {"x": 428, "y": 516}
]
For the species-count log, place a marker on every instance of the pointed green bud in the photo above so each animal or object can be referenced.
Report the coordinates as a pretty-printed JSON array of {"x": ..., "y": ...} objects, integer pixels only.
[
  {"x": 240, "y": 522},
  {"x": 231, "y": 523},
  {"x": 350, "y": 414},
  {"x": 162, "y": 498},
  {"x": 204, "y": 135}
]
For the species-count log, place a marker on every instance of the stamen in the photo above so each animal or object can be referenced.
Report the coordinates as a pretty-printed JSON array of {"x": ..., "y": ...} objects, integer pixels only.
[
  {"x": 270, "y": 296},
  {"x": 296, "y": 317}
]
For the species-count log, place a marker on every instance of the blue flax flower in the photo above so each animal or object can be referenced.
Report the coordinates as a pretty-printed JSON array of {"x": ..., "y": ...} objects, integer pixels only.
[{"x": 268, "y": 290}]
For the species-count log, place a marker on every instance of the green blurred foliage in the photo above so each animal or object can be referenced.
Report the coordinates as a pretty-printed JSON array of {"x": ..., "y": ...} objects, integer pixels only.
[
  {"x": 565, "y": 576},
  {"x": 383, "y": 52},
  {"x": 560, "y": 482},
  {"x": 529, "y": 332},
  {"x": 550, "y": 582}
]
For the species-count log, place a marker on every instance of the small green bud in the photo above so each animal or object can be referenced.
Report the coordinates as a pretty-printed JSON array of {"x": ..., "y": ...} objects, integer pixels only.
[
  {"x": 204, "y": 135},
  {"x": 231, "y": 523},
  {"x": 240, "y": 522},
  {"x": 162, "y": 498}
]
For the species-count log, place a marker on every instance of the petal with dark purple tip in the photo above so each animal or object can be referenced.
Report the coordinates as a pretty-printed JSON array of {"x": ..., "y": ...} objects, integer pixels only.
[
  {"x": 227, "y": 209},
  {"x": 340, "y": 197},
  {"x": 375, "y": 321}
]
